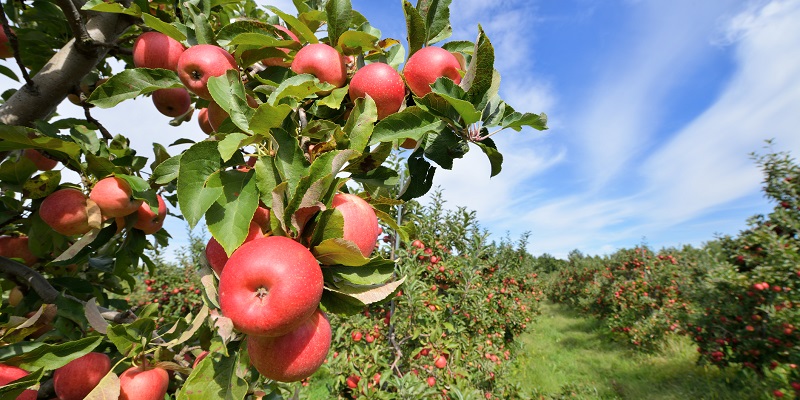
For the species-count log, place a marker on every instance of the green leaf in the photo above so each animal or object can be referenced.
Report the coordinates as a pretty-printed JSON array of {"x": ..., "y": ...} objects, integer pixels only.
[
  {"x": 413, "y": 122},
  {"x": 381, "y": 176},
  {"x": 355, "y": 42},
  {"x": 268, "y": 117},
  {"x": 8, "y": 72},
  {"x": 375, "y": 272},
  {"x": 361, "y": 123},
  {"x": 141, "y": 190},
  {"x": 18, "y": 137},
  {"x": 368, "y": 294},
  {"x": 231, "y": 144},
  {"x": 444, "y": 147},
  {"x": 330, "y": 225},
  {"x": 203, "y": 32},
  {"x": 334, "y": 100},
  {"x": 127, "y": 337},
  {"x": 339, "y": 17},
  {"x": 300, "y": 28},
  {"x": 339, "y": 251},
  {"x": 478, "y": 78},
  {"x": 517, "y": 120},
  {"x": 107, "y": 388},
  {"x": 229, "y": 32},
  {"x": 13, "y": 389},
  {"x": 116, "y": 8},
  {"x": 290, "y": 161},
  {"x": 52, "y": 356},
  {"x": 198, "y": 164},
  {"x": 495, "y": 158},
  {"x": 456, "y": 96},
  {"x": 167, "y": 171},
  {"x": 421, "y": 177},
  {"x": 228, "y": 92},
  {"x": 267, "y": 177},
  {"x": 436, "y": 14},
  {"x": 215, "y": 378},
  {"x": 415, "y": 27},
  {"x": 163, "y": 27},
  {"x": 17, "y": 172},
  {"x": 131, "y": 83},
  {"x": 228, "y": 219},
  {"x": 298, "y": 87}
]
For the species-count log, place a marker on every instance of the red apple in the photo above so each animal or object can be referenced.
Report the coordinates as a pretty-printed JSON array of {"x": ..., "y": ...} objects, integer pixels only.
[
  {"x": 216, "y": 115},
  {"x": 360, "y": 222},
  {"x": 261, "y": 216},
  {"x": 156, "y": 50},
  {"x": 295, "y": 355},
  {"x": 143, "y": 384},
  {"x": 202, "y": 119},
  {"x": 172, "y": 102},
  {"x": 322, "y": 61},
  {"x": 9, "y": 374},
  {"x": 198, "y": 63},
  {"x": 279, "y": 61},
  {"x": 427, "y": 65},
  {"x": 42, "y": 163},
  {"x": 216, "y": 255},
  {"x": 431, "y": 381},
  {"x": 76, "y": 379},
  {"x": 381, "y": 82},
  {"x": 17, "y": 247},
  {"x": 147, "y": 221},
  {"x": 270, "y": 286},
  {"x": 5, "y": 46},
  {"x": 441, "y": 362},
  {"x": 199, "y": 358},
  {"x": 114, "y": 197},
  {"x": 352, "y": 381},
  {"x": 65, "y": 211}
]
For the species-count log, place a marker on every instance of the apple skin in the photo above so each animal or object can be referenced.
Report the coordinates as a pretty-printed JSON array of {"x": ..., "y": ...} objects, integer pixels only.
[
  {"x": 427, "y": 65},
  {"x": 76, "y": 379},
  {"x": 216, "y": 255},
  {"x": 17, "y": 247},
  {"x": 65, "y": 211},
  {"x": 200, "y": 62},
  {"x": 138, "y": 384},
  {"x": 156, "y": 50},
  {"x": 295, "y": 355},
  {"x": 5, "y": 45},
  {"x": 360, "y": 222},
  {"x": 381, "y": 82},
  {"x": 172, "y": 102},
  {"x": 278, "y": 61},
  {"x": 148, "y": 222},
  {"x": 262, "y": 217},
  {"x": 9, "y": 374},
  {"x": 216, "y": 115},
  {"x": 42, "y": 163},
  {"x": 202, "y": 119},
  {"x": 322, "y": 61},
  {"x": 114, "y": 197},
  {"x": 270, "y": 286}
]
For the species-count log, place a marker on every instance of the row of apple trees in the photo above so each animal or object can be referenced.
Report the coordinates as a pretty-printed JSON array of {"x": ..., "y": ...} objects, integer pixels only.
[{"x": 737, "y": 297}]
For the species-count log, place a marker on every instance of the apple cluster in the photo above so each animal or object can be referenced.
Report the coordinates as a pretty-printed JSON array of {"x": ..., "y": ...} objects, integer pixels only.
[
  {"x": 196, "y": 64},
  {"x": 271, "y": 286},
  {"x": 69, "y": 211}
]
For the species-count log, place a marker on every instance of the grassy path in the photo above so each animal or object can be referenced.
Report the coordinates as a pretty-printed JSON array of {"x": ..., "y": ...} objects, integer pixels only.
[{"x": 568, "y": 355}]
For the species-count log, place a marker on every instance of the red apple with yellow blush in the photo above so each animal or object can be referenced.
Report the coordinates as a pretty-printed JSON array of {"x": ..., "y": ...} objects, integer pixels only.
[
  {"x": 383, "y": 84},
  {"x": 427, "y": 65}
]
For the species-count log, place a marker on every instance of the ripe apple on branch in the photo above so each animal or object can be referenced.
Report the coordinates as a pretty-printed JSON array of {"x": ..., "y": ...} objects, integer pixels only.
[{"x": 314, "y": 100}]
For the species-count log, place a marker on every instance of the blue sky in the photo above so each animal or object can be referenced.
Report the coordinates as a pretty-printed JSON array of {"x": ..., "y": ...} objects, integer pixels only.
[{"x": 654, "y": 107}]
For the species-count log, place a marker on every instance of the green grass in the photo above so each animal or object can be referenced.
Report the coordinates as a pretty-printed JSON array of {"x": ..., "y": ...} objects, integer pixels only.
[{"x": 568, "y": 354}]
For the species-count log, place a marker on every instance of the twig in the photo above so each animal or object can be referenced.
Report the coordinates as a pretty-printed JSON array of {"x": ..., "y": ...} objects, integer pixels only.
[
  {"x": 12, "y": 40},
  {"x": 49, "y": 294},
  {"x": 106, "y": 134},
  {"x": 83, "y": 40}
]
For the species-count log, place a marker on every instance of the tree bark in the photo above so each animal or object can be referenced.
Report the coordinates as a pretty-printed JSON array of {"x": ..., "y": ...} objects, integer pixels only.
[{"x": 67, "y": 67}]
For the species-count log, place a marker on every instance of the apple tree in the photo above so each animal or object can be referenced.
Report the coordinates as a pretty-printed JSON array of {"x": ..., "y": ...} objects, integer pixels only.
[{"x": 302, "y": 109}]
